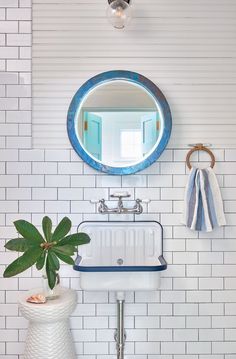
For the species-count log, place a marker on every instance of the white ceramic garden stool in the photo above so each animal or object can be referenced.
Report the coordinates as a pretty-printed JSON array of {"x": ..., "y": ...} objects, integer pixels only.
[{"x": 49, "y": 335}]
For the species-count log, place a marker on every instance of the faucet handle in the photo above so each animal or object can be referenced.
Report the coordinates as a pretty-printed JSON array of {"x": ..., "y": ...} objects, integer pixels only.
[
  {"x": 138, "y": 200},
  {"x": 95, "y": 201}
]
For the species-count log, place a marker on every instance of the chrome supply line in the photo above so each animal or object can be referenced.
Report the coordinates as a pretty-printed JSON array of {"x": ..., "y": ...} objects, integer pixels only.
[{"x": 120, "y": 335}]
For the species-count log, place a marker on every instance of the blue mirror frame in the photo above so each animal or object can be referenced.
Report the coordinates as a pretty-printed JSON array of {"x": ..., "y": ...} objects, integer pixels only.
[{"x": 106, "y": 77}]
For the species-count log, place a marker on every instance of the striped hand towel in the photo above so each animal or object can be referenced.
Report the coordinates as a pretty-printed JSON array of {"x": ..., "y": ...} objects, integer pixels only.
[{"x": 203, "y": 206}]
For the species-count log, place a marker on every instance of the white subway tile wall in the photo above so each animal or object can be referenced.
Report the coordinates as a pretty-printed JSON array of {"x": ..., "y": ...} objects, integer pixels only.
[{"x": 193, "y": 316}]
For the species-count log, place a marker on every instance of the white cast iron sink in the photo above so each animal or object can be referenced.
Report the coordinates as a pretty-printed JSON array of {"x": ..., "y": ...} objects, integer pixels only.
[{"x": 121, "y": 256}]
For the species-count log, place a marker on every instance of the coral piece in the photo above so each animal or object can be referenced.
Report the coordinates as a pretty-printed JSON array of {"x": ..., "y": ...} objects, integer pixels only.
[{"x": 37, "y": 299}]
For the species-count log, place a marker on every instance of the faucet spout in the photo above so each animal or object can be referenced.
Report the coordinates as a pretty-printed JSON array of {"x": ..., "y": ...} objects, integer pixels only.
[{"x": 120, "y": 205}]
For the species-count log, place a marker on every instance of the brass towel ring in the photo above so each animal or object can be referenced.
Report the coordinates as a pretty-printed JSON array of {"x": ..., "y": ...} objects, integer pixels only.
[{"x": 200, "y": 147}]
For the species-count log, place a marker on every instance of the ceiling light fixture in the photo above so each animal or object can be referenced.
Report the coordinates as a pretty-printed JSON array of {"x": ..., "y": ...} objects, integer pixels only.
[{"x": 119, "y": 12}]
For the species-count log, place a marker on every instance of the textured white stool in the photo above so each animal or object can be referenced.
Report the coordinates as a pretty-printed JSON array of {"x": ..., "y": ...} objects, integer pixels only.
[{"x": 49, "y": 335}]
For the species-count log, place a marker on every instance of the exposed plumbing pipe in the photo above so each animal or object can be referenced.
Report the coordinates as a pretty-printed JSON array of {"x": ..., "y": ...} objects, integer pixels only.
[{"x": 120, "y": 332}]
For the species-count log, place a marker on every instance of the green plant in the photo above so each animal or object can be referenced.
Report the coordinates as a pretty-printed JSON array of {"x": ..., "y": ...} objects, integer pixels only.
[{"x": 44, "y": 250}]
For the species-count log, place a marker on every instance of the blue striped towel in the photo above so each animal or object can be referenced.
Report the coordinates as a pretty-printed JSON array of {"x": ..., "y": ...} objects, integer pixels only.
[{"x": 203, "y": 206}]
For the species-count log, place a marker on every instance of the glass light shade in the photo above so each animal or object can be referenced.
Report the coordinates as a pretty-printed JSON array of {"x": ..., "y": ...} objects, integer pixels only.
[{"x": 119, "y": 13}]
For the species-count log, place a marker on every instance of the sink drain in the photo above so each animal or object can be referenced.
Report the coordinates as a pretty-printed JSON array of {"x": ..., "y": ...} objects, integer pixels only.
[{"x": 119, "y": 261}]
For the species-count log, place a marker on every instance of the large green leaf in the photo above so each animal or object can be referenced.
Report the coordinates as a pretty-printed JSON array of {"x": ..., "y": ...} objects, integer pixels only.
[
  {"x": 17, "y": 244},
  {"x": 66, "y": 249},
  {"x": 62, "y": 229},
  {"x": 40, "y": 262},
  {"x": 65, "y": 258},
  {"x": 51, "y": 274},
  {"x": 53, "y": 261},
  {"x": 24, "y": 262},
  {"x": 75, "y": 239},
  {"x": 28, "y": 230},
  {"x": 47, "y": 228}
]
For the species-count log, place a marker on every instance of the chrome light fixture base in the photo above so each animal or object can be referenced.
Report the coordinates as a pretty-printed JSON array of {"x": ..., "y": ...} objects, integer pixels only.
[{"x": 128, "y": 1}]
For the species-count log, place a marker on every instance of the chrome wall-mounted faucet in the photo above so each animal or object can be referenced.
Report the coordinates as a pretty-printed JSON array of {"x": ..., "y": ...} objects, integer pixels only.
[{"x": 120, "y": 209}]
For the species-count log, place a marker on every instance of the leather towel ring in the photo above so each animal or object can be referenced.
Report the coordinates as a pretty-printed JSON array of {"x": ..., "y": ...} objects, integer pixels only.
[{"x": 200, "y": 147}]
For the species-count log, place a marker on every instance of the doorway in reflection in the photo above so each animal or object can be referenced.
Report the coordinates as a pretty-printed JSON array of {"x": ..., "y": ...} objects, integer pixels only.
[{"x": 119, "y": 137}]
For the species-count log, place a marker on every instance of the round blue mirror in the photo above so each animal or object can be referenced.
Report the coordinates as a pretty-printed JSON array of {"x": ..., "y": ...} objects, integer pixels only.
[{"x": 119, "y": 122}]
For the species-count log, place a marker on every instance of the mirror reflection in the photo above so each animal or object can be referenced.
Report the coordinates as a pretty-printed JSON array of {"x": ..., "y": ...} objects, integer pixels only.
[{"x": 119, "y": 123}]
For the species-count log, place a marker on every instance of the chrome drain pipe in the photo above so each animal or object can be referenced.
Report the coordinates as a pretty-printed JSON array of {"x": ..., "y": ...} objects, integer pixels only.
[{"x": 120, "y": 335}]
